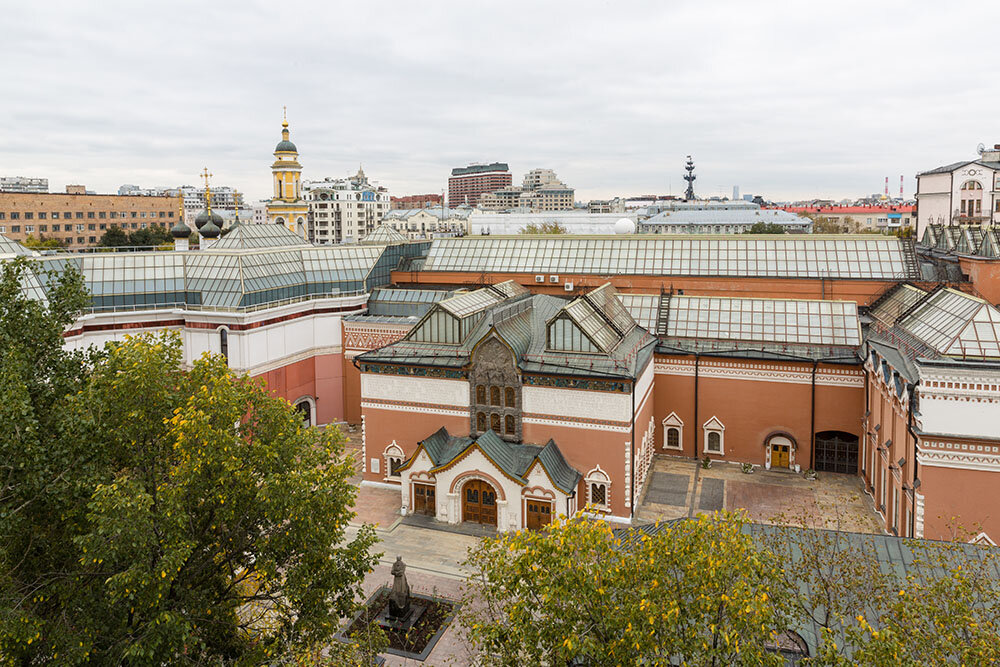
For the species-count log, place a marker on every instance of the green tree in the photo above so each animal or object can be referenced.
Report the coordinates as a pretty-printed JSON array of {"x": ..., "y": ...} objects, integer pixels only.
[
  {"x": 46, "y": 475},
  {"x": 765, "y": 228},
  {"x": 698, "y": 592},
  {"x": 951, "y": 617},
  {"x": 41, "y": 243},
  {"x": 150, "y": 515},
  {"x": 114, "y": 237},
  {"x": 149, "y": 236},
  {"x": 545, "y": 227}
]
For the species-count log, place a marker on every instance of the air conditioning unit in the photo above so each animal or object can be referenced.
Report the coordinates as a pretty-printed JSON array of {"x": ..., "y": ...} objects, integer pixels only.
[
  {"x": 539, "y": 279},
  {"x": 568, "y": 287},
  {"x": 553, "y": 279}
]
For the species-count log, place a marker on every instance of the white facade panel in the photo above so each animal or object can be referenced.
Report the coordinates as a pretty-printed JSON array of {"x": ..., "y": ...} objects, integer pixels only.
[
  {"x": 577, "y": 403},
  {"x": 409, "y": 389}
]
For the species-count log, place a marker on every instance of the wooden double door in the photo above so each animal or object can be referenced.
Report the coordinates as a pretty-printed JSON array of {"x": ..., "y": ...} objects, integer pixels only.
[
  {"x": 424, "y": 499},
  {"x": 538, "y": 514},
  {"x": 479, "y": 502}
]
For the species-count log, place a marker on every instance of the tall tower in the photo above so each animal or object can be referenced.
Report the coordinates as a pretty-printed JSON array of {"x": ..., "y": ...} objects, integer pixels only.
[
  {"x": 287, "y": 206},
  {"x": 689, "y": 177}
]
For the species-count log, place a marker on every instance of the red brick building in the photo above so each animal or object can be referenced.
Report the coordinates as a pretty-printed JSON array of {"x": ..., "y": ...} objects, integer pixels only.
[
  {"x": 415, "y": 201},
  {"x": 468, "y": 183}
]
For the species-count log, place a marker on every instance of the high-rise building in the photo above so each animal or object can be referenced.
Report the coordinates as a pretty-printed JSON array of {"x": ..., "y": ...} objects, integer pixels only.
[
  {"x": 344, "y": 210},
  {"x": 467, "y": 183},
  {"x": 287, "y": 207},
  {"x": 23, "y": 184},
  {"x": 541, "y": 191}
]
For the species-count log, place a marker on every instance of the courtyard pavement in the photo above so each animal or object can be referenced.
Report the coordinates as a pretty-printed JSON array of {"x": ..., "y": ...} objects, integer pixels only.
[{"x": 678, "y": 487}]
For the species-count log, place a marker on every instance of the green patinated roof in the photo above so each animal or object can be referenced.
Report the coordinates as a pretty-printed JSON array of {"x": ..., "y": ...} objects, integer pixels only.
[
  {"x": 521, "y": 321},
  {"x": 285, "y": 147},
  {"x": 515, "y": 460}
]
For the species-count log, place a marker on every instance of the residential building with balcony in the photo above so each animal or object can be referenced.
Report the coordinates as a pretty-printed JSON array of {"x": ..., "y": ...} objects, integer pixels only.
[
  {"x": 467, "y": 184},
  {"x": 344, "y": 210},
  {"x": 965, "y": 192}
]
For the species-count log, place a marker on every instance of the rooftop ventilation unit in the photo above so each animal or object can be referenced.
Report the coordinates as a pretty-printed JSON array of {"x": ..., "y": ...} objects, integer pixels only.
[
  {"x": 568, "y": 286},
  {"x": 553, "y": 279},
  {"x": 539, "y": 279}
]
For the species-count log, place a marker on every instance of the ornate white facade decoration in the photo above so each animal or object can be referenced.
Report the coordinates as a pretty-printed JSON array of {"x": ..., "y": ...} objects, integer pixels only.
[
  {"x": 714, "y": 426},
  {"x": 394, "y": 457},
  {"x": 597, "y": 477},
  {"x": 763, "y": 373},
  {"x": 672, "y": 421}
]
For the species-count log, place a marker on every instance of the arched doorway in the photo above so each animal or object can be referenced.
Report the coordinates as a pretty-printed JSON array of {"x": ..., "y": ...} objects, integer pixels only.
[
  {"x": 479, "y": 502},
  {"x": 779, "y": 451},
  {"x": 837, "y": 451},
  {"x": 304, "y": 408}
]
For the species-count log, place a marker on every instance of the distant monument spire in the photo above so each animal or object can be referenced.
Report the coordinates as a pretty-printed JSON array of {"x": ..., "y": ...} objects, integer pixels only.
[{"x": 689, "y": 177}]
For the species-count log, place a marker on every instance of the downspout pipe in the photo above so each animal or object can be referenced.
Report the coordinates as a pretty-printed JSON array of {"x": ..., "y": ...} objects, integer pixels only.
[
  {"x": 631, "y": 487},
  {"x": 697, "y": 359},
  {"x": 916, "y": 463},
  {"x": 812, "y": 417}
]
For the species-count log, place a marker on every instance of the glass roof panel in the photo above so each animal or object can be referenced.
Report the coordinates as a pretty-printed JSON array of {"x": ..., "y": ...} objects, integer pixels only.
[
  {"x": 895, "y": 303},
  {"x": 953, "y": 323},
  {"x": 798, "y": 256},
  {"x": 644, "y": 309},
  {"x": 764, "y": 320}
]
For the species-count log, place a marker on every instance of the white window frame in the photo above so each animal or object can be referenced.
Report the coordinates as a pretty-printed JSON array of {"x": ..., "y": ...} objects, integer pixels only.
[
  {"x": 669, "y": 422},
  {"x": 393, "y": 451},
  {"x": 598, "y": 476},
  {"x": 713, "y": 425}
]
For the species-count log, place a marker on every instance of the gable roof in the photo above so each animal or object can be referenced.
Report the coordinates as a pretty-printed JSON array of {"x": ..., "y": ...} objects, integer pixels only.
[
  {"x": 384, "y": 235},
  {"x": 512, "y": 459},
  {"x": 249, "y": 237}
]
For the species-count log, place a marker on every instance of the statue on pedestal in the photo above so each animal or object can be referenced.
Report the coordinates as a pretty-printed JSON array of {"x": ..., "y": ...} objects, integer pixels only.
[{"x": 399, "y": 596}]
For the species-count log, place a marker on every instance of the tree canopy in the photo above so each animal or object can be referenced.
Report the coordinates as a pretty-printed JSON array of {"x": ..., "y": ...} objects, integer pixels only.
[
  {"x": 765, "y": 228},
  {"x": 544, "y": 227},
  {"x": 716, "y": 591},
  {"x": 151, "y": 514},
  {"x": 154, "y": 235}
]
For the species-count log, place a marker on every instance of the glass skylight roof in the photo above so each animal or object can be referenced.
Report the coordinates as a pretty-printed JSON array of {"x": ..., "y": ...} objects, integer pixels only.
[
  {"x": 764, "y": 320},
  {"x": 385, "y": 235},
  {"x": 956, "y": 324},
  {"x": 795, "y": 256},
  {"x": 598, "y": 315},
  {"x": 902, "y": 298},
  {"x": 644, "y": 309},
  {"x": 248, "y": 237}
]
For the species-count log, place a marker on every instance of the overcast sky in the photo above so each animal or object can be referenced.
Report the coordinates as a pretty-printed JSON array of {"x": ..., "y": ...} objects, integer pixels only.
[{"x": 788, "y": 100}]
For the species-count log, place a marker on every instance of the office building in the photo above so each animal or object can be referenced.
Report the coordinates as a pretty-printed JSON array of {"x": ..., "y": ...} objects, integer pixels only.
[{"x": 467, "y": 184}]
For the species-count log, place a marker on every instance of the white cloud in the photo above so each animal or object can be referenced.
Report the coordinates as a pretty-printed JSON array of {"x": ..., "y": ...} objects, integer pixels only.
[{"x": 784, "y": 99}]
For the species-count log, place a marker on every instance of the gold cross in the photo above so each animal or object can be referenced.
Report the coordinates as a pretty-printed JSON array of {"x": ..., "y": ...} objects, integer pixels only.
[{"x": 284, "y": 112}]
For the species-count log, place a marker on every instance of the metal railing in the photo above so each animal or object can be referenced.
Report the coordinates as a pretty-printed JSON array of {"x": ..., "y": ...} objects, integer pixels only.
[{"x": 181, "y": 305}]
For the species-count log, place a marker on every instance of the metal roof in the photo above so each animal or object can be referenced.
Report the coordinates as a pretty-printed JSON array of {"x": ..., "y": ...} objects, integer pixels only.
[
  {"x": 955, "y": 324},
  {"x": 805, "y": 256},
  {"x": 248, "y": 237}
]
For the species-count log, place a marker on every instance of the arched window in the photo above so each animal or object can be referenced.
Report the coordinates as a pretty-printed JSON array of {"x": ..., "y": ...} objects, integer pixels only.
[
  {"x": 481, "y": 394},
  {"x": 305, "y": 409},
  {"x": 494, "y": 395},
  {"x": 480, "y": 422},
  {"x": 224, "y": 343},
  {"x": 495, "y": 422},
  {"x": 971, "y": 196},
  {"x": 673, "y": 438},
  {"x": 393, "y": 459},
  {"x": 673, "y": 432},
  {"x": 509, "y": 425},
  {"x": 714, "y": 436},
  {"x": 508, "y": 395},
  {"x": 598, "y": 489}
]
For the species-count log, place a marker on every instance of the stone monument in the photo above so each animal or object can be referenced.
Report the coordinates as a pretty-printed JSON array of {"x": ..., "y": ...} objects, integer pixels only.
[{"x": 400, "y": 614}]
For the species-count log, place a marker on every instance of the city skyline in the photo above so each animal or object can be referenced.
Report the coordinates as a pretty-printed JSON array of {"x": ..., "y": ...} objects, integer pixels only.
[{"x": 613, "y": 98}]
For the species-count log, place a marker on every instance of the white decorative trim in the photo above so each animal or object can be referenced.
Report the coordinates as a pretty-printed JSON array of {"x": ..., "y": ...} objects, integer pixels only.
[
  {"x": 576, "y": 424},
  {"x": 628, "y": 474},
  {"x": 669, "y": 422},
  {"x": 983, "y": 538},
  {"x": 713, "y": 425},
  {"x": 422, "y": 409},
  {"x": 281, "y": 362},
  {"x": 764, "y": 373},
  {"x": 393, "y": 451},
  {"x": 918, "y": 515},
  {"x": 960, "y": 460},
  {"x": 364, "y": 447}
]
